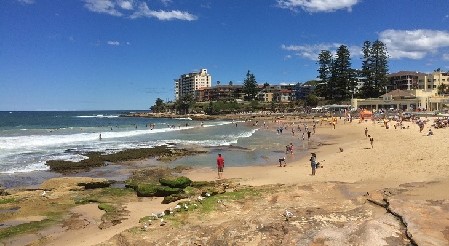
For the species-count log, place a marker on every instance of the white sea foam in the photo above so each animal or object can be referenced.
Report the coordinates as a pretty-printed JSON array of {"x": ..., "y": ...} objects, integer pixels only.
[
  {"x": 188, "y": 118},
  {"x": 30, "y": 152},
  {"x": 97, "y": 116},
  {"x": 40, "y": 166},
  {"x": 220, "y": 123},
  {"x": 39, "y": 141},
  {"x": 223, "y": 140}
]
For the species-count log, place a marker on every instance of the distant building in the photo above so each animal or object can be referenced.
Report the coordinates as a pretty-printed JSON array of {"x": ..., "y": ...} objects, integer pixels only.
[
  {"x": 277, "y": 93},
  {"x": 219, "y": 93},
  {"x": 433, "y": 80},
  {"x": 404, "y": 80},
  {"x": 301, "y": 91},
  {"x": 191, "y": 82}
]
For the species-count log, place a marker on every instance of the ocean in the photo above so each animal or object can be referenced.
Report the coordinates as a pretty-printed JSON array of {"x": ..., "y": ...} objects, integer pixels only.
[{"x": 29, "y": 139}]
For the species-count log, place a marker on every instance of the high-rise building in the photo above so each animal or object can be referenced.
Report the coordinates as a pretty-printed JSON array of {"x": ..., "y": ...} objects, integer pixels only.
[{"x": 189, "y": 83}]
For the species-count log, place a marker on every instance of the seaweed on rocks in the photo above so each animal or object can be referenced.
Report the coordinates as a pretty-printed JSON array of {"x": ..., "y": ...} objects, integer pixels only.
[
  {"x": 97, "y": 159},
  {"x": 179, "y": 182},
  {"x": 151, "y": 190}
]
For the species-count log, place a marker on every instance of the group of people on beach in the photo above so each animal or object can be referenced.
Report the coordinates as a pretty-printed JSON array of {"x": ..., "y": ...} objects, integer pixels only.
[{"x": 371, "y": 139}]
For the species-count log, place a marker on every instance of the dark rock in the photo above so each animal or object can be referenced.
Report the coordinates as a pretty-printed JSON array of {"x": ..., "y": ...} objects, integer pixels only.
[
  {"x": 150, "y": 190},
  {"x": 3, "y": 191},
  {"x": 97, "y": 159},
  {"x": 174, "y": 198},
  {"x": 180, "y": 182},
  {"x": 97, "y": 184}
]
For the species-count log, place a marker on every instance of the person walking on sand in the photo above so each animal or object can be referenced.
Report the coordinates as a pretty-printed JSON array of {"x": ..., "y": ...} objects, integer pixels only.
[
  {"x": 220, "y": 166},
  {"x": 371, "y": 140},
  {"x": 366, "y": 131},
  {"x": 313, "y": 163}
]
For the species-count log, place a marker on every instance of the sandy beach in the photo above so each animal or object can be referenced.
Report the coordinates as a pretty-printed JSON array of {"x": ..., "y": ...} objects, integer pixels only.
[
  {"x": 394, "y": 193},
  {"x": 398, "y": 156}
]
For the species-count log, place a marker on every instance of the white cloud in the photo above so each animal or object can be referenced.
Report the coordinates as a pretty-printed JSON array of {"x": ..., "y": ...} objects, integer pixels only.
[
  {"x": 311, "y": 52},
  {"x": 166, "y": 2},
  {"x": 446, "y": 57},
  {"x": 126, "y": 4},
  {"x": 102, "y": 6},
  {"x": 317, "y": 5},
  {"x": 414, "y": 44},
  {"x": 144, "y": 11},
  {"x": 26, "y": 1},
  {"x": 126, "y": 7},
  {"x": 113, "y": 43}
]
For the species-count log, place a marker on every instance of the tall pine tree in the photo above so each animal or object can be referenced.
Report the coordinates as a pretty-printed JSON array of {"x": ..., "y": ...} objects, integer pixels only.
[
  {"x": 374, "y": 68},
  {"x": 380, "y": 58},
  {"x": 325, "y": 87},
  {"x": 342, "y": 74},
  {"x": 250, "y": 86}
]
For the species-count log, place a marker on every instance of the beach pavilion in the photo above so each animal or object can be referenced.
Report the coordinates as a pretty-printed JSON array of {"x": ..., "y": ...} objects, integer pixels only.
[{"x": 407, "y": 100}]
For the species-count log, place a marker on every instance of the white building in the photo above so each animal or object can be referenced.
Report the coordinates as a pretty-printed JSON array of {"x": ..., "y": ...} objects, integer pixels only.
[{"x": 191, "y": 82}]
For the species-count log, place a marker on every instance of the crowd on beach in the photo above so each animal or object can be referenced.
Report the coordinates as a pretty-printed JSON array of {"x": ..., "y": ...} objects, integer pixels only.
[{"x": 303, "y": 128}]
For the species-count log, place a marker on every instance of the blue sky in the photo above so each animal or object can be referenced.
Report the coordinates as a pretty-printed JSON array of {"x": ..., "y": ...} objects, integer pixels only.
[{"x": 123, "y": 54}]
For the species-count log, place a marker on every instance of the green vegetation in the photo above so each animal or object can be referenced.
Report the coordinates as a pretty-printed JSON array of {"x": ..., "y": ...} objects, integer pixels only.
[
  {"x": 7, "y": 200},
  {"x": 250, "y": 86},
  {"x": 107, "y": 207},
  {"x": 30, "y": 227},
  {"x": 115, "y": 192},
  {"x": 374, "y": 69},
  {"x": 105, "y": 195},
  {"x": 209, "y": 204},
  {"x": 149, "y": 190},
  {"x": 159, "y": 106},
  {"x": 179, "y": 182},
  {"x": 97, "y": 159}
]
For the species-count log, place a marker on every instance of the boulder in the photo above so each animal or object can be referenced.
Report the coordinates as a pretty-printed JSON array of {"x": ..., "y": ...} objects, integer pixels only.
[
  {"x": 174, "y": 198},
  {"x": 150, "y": 190},
  {"x": 3, "y": 191},
  {"x": 96, "y": 184},
  {"x": 179, "y": 182}
]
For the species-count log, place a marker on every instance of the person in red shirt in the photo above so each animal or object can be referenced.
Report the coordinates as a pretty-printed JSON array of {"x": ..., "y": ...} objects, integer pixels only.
[{"x": 220, "y": 166}]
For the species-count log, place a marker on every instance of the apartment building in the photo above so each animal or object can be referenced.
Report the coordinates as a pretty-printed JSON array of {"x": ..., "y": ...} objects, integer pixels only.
[
  {"x": 404, "y": 80},
  {"x": 219, "y": 93},
  {"x": 189, "y": 83},
  {"x": 433, "y": 80}
]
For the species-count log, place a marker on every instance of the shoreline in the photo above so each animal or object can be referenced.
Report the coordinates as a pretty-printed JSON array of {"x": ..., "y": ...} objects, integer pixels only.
[{"x": 406, "y": 169}]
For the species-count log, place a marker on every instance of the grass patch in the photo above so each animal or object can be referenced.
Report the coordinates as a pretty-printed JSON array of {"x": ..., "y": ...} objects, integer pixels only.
[
  {"x": 24, "y": 228},
  {"x": 7, "y": 200},
  {"x": 107, "y": 207},
  {"x": 116, "y": 192},
  {"x": 30, "y": 227},
  {"x": 209, "y": 204},
  {"x": 105, "y": 195}
]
